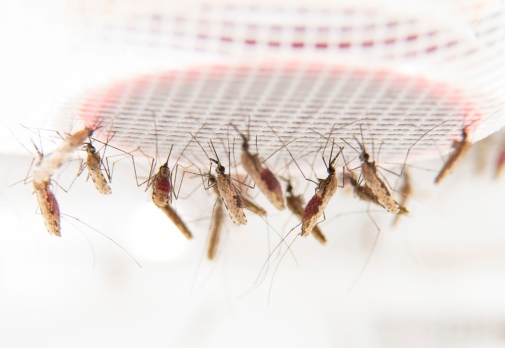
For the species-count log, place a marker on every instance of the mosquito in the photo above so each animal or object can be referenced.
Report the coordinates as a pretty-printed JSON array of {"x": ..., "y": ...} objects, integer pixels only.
[
  {"x": 261, "y": 175},
  {"x": 48, "y": 164},
  {"x": 161, "y": 183},
  {"x": 47, "y": 203},
  {"x": 324, "y": 191},
  {"x": 163, "y": 190},
  {"x": 94, "y": 164},
  {"x": 229, "y": 194},
  {"x": 365, "y": 193},
  {"x": 461, "y": 148},
  {"x": 295, "y": 205},
  {"x": 372, "y": 180}
]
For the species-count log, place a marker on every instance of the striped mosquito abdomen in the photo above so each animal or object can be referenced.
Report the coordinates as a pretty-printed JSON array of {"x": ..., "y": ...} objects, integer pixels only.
[
  {"x": 94, "y": 165},
  {"x": 48, "y": 206}
]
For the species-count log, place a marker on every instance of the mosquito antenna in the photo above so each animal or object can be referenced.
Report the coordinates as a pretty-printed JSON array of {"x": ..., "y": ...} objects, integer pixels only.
[
  {"x": 245, "y": 142},
  {"x": 277, "y": 267},
  {"x": 185, "y": 147},
  {"x": 418, "y": 140},
  {"x": 280, "y": 148},
  {"x": 211, "y": 159},
  {"x": 352, "y": 147},
  {"x": 156, "y": 135},
  {"x": 362, "y": 144},
  {"x": 287, "y": 149},
  {"x": 215, "y": 152},
  {"x": 169, "y": 153},
  {"x": 105, "y": 236}
]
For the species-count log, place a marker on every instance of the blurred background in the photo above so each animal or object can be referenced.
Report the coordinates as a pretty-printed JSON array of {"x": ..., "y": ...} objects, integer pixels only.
[{"x": 399, "y": 69}]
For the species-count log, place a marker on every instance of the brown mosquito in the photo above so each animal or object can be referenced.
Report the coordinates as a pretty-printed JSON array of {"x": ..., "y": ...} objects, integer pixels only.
[
  {"x": 461, "y": 148},
  {"x": 229, "y": 194},
  {"x": 372, "y": 180},
  {"x": 261, "y": 175},
  {"x": 47, "y": 202},
  {"x": 295, "y": 204},
  {"x": 48, "y": 164}
]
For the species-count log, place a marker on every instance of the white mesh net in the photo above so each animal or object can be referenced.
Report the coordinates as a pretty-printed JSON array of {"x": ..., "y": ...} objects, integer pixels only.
[{"x": 396, "y": 69}]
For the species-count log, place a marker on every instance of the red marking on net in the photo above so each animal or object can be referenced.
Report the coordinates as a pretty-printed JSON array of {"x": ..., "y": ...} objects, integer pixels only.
[{"x": 312, "y": 207}]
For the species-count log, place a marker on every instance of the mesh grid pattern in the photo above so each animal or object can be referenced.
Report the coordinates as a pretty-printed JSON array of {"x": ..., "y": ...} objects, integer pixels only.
[
  {"x": 396, "y": 70},
  {"x": 295, "y": 101}
]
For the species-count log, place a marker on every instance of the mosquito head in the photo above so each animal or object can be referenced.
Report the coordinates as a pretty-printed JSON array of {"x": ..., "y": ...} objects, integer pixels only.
[
  {"x": 164, "y": 170},
  {"x": 90, "y": 148},
  {"x": 351, "y": 178},
  {"x": 464, "y": 133},
  {"x": 220, "y": 169},
  {"x": 165, "y": 165},
  {"x": 245, "y": 140},
  {"x": 90, "y": 131},
  {"x": 364, "y": 157},
  {"x": 331, "y": 164},
  {"x": 289, "y": 188}
]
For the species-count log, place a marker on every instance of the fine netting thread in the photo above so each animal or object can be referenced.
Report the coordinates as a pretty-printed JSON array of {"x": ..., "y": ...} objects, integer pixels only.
[{"x": 298, "y": 102}]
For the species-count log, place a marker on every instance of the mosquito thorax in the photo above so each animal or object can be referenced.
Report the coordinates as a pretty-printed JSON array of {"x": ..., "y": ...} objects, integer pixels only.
[
  {"x": 364, "y": 157},
  {"x": 90, "y": 148}
]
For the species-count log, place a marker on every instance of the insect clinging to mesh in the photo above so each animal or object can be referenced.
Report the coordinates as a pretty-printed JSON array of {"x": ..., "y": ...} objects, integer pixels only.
[
  {"x": 461, "y": 148},
  {"x": 261, "y": 175},
  {"x": 94, "y": 165},
  {"x": 365, "y": 193},
  {"x": 229, "y": 194},
  {"x": 324, "y": 191},
  {"x": 48, "y": 164},
  {"x": 373, "y": 181},
  {"x": 47, "y": 203},
  {"x": 163, "y": 189},
  {"x": 295, "y": 205}
]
